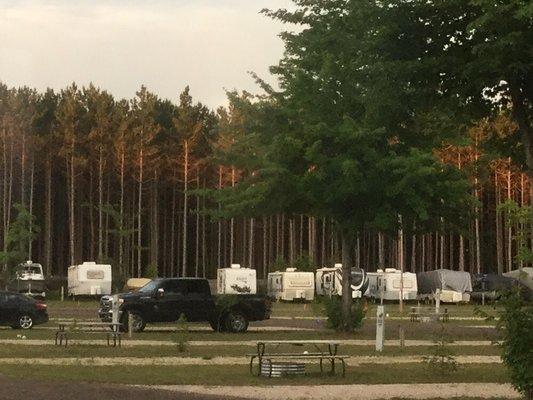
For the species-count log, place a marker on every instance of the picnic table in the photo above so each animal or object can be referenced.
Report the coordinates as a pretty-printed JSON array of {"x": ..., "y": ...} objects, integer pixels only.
[
  {"x": 322, "y": 350},
  {"x": 112, "y": 330},
  {"x": 419, "y": 313}
]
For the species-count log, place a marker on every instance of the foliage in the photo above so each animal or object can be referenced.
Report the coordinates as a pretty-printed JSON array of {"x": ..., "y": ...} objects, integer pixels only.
[
  {"x": 332, "y": 307},
  {"x": 151, "y": 271},
  {"x": 521, "y": 219},
  {"x": 21, "y": 232},
  {"x": 443, "y": 358},
  {"x": 304, "y": 263},
  {"x": 516, "y": 327}
]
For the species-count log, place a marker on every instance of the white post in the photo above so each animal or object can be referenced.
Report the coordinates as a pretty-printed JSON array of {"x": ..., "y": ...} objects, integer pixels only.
[
  {"x": 62, "y": 293},
  {"x": 380, "y": 328},
  {"x": 437, "y": 301},
  {"x": 115, "y": 308}
]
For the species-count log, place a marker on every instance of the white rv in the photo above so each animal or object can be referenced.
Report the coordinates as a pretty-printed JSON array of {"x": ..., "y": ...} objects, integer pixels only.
[
  {"x": 388, "y": 284},
  {"x": 328, "y": 281},
  {"x": 236, "y": 280},
  {"x": 451, "y": 286},
  {"x": 290, "y": 285},
  {"x": 89, "y": 279}
]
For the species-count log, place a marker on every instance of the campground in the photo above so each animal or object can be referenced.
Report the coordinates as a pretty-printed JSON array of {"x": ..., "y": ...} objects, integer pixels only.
[{"x": 208, "y": 359}]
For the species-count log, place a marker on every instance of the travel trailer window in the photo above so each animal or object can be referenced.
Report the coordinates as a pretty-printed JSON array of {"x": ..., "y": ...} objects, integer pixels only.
[
  {"x": 95, "y": 274},
  {"x": 32, "y": 270},
  {"x": 407, "y": 283}
]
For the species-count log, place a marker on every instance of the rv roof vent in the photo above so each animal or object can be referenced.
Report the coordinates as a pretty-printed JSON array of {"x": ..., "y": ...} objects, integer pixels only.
[
  {"x": 338, "y": 265},
  {"x": 391, "y": 270},
  {"x": 379, "y": 271},
  {"x": 235, "y": 265},
  {"x": 89, "y": 262},
  {"x": 290, "y": 269}
]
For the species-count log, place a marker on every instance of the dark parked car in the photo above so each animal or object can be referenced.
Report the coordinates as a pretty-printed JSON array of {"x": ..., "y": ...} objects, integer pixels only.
[
  {"x": 165, "y": 300},
  {"x": 21, "y": 311}
]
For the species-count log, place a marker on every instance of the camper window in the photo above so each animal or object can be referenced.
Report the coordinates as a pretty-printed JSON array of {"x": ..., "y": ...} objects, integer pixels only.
[{"x": 95, "y": 274}]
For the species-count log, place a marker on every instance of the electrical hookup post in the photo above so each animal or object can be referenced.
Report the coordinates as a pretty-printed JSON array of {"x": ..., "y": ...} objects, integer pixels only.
[{"x": 380, "y": 328}]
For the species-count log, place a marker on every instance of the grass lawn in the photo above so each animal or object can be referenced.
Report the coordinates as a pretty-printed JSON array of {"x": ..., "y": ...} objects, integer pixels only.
[
  {"x": 413, "y": 331},
  {"x": 239, "y": 375},
  {"x": 87, "y": 351}
]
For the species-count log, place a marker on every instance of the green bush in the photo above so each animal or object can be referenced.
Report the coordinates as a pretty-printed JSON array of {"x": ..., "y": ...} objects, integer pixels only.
[
  {"x": 516, "y": 327},
  {"x": 333, "y": 309}
]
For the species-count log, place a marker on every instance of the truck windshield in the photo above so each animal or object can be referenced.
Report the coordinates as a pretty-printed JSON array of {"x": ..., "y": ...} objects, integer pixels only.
[{"x": 149, "y": 287}]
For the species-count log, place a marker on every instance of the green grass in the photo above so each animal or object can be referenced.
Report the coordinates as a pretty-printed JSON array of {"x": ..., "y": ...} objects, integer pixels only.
[
  {"x": 86, "y": 351},
  {"x": 239, "y": 375}
]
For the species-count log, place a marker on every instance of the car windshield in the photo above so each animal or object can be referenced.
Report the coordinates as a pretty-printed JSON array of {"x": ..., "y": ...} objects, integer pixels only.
[{"x": 149, "y": 287}]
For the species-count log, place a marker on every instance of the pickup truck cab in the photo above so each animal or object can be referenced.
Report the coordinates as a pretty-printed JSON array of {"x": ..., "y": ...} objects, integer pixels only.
[{"x": 166, "y": 299}]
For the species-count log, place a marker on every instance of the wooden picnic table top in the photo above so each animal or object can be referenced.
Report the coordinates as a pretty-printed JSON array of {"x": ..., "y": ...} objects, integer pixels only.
[
  {"x": 298, "y": 342},
  {"x": 87, "y": 323}
]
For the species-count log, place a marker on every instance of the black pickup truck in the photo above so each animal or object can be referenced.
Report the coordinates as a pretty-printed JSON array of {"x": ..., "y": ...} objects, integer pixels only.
[{"x": 166, "y": 299}]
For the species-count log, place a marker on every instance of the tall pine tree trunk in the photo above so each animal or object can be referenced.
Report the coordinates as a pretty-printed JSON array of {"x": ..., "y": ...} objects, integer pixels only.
[
  {"x": 100, "y": 204},
  {"x": 48, "y": 215},
  {"x": 32, "y": 174},
  {"x": 347, "y": 264},
  {"x": 499, "y": 246},
  {"x": 185, "y": 206},
  {"x": 139, "y": 214},
  {"x": 72, "y": 236}
]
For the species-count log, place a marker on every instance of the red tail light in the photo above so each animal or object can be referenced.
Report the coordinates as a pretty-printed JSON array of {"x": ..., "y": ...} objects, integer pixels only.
[{"x": 40, "y": 306}]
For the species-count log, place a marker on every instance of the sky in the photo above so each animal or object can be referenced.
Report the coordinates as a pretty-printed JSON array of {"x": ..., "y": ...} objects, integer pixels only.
[{"x": 119, "y": 45}]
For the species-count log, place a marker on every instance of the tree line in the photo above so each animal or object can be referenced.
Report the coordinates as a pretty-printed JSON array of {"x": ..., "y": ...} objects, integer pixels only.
[
  {"x": 388, "y": 144},
  {"x": 121, "y": 182}
]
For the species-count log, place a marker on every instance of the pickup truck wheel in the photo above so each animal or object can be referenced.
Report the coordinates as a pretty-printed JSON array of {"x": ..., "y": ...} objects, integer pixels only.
[
  {"x": 138, "y": 322},
  {"x": 236, "y": 322}
]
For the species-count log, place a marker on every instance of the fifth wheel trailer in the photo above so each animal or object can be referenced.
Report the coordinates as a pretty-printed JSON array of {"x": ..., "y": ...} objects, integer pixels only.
[
  {"x": 328, "y": 281},
  {"x": 290, "y": 285}
]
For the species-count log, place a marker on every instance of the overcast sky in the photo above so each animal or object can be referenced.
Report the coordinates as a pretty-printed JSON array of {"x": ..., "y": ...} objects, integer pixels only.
[{"x": 120, "y": 44}]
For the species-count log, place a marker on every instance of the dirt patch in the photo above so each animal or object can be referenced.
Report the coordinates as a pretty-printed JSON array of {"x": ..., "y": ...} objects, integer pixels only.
[
  {"x": 359, "y": 392},
  {"x": 16, "y": 389}
]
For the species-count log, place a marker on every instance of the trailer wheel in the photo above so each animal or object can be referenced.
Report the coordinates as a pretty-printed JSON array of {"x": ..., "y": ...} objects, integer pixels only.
[{"x": 236, "y": 322}]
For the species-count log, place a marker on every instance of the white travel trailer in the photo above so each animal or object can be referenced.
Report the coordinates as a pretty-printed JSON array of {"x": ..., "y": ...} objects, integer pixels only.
[
  {"x": 29, "y": 279},
  {"x": 388, "y": 284},
  {"x": 328, "y": 281},
  {"x": 451, "y": 286},
  {"x": 290, "y": 285},
  {"x": 236, "y": 280},
  {"x": 89, "y": 279}
]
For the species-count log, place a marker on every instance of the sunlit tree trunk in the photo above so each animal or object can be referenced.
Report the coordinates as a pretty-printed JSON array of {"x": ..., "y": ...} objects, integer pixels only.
[
  {"x": 232, "y": 225},
  {"x": 185, "y": 206},
  {"x": 48, "y": 215},
  {"x": 139, "y": 214},
  {"x": 100, "y": 203},
  {"x": 499, "y": 247},
  {"x": 32, "y": 175},
  {"x": 251, "y": 244}
]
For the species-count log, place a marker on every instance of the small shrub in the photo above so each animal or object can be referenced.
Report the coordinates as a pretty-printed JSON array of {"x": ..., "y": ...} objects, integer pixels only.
[
  {"x": 333, "y": 309},
  {"x": 443, "y": 358},
  {"x": 151, "y": 271},
  {"x": 182, "y": 334}
]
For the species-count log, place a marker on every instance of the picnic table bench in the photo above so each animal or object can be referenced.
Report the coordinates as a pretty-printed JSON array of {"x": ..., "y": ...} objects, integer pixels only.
[
  {"x": 112, "y": 330},
  {"x": 323, "y": 350},
  {"x": 418, "y": 313}
]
